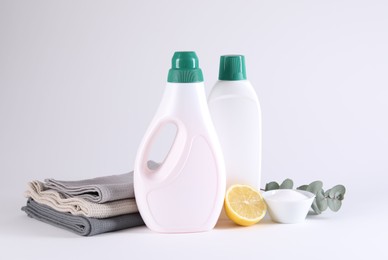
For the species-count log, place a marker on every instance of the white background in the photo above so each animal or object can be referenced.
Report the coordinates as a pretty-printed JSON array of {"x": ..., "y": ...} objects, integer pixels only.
[{"x": 81, "y": 80}]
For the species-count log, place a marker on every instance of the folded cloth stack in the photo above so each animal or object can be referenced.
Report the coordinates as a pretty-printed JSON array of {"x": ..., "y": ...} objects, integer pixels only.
[{"x": 86, "y": 207}]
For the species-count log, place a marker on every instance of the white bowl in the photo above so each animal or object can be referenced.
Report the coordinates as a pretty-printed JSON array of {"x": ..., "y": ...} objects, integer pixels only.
[{"x": 288, "y": 205}]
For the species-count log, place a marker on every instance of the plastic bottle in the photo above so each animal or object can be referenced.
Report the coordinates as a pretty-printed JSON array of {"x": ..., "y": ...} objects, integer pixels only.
[
  {"x": 186, "y": 192},
  {"x": 236, "y": 115}
]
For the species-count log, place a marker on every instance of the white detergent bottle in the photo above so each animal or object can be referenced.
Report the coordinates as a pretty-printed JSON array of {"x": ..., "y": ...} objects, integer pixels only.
[
  {"x": 185, "y": 192},
  {"x": 236, "y": 115}
]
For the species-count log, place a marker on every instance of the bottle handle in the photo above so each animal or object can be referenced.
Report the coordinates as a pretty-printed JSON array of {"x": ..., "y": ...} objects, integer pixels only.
[{"x": 173, "y": 156}]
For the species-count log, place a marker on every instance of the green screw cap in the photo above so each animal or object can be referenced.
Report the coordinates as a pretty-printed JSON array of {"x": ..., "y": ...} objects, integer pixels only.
[
  {"x": 185, "y": 68},
  {"x": 232, "y": 67}
]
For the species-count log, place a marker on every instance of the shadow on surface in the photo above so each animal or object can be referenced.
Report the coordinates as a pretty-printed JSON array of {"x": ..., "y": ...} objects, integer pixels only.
[{"x": 228, "y": 224}]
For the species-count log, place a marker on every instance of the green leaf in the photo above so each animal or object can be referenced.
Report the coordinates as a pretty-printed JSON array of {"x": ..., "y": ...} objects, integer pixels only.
[
  {"x": 303, "y": 187},
  {"x": 271, "y": 186},
  {"x": 322, "y": 204},
  {"x": 321, "y": 201},
  {"x": 315, "y": 207},
  {"x": 287, "y": 184},
  {"x": 315, "y": 187},
  {"x": 337, "y": 192},
  {"x": 334, "y": 204}
]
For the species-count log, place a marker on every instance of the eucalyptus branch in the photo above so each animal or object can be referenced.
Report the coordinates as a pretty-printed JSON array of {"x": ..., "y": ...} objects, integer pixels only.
[{"x": 332, "y": 198}]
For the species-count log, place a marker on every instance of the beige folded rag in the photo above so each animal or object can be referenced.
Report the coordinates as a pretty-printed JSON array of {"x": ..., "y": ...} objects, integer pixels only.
[{"x": 78, "y": 206}]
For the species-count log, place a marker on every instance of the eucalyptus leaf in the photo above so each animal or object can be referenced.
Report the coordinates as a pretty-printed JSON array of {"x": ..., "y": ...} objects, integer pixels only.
[
  {"x": 271, "y": 186},
  {"x": 321, "y": 201},
  {"x": 286, "y": 184},
  {"x": 321, "y": 194},
  {"x": 322, "y": 204},
  {"x": 315, "y": 207},
  {"x": 337, "y": 192},
  {"x": 303, "y": 187},
  {"x": 334, "y": 204},
  {"x": 339, "y": 197},
  {"x": 315, "y": 187}
]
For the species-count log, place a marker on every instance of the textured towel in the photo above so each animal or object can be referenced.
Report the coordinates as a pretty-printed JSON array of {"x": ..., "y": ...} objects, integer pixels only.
[
  {"x": 78, "y": 206},
  {"x": 78, "y": 224},
  {"x": 98, "y": 190}
]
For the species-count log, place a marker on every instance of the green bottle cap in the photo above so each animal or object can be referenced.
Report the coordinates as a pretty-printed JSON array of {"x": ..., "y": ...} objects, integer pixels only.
[
  {"x": 185, "y": 68},
  {"x": 232, "y": 67}
]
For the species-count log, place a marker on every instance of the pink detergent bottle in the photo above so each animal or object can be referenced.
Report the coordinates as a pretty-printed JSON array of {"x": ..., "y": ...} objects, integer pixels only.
[{"x": 185, "y": 192}]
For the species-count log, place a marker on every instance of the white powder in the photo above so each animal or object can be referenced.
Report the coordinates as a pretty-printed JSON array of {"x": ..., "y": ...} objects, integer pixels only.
[{"x": 287, "y": 195}]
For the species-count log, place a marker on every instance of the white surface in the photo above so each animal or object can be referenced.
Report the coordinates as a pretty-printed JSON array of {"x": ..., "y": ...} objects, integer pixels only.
[
  {"x": 358, "y": 231},
  {"x": 81, "y": 80}
]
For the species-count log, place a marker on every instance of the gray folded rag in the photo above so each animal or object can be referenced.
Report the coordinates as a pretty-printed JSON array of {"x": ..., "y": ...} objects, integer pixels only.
[
  {"x": 81, "y": 225},
  {"x": 78, "y": 206},
  {"x": 98, "y": 190}
]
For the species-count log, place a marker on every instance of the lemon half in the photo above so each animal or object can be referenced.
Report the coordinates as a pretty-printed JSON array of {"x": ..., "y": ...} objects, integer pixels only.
[{"x": 244, "y": 205}]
